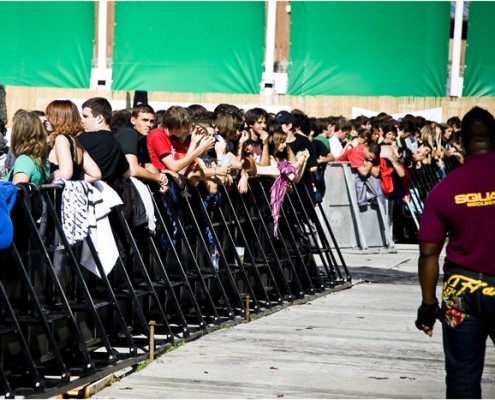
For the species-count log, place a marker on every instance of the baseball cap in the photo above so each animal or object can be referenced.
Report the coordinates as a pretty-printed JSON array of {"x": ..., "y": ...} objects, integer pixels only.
[{"x": 285, "y": 117}]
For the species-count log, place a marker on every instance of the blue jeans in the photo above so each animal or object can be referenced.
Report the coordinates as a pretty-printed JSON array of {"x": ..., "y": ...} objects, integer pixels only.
[{"x": 468, "y": 302}]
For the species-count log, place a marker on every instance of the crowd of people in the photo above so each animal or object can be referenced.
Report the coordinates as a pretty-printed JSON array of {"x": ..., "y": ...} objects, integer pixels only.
[
  {"x": 229, "y": 145},
  {"x": 179, "y": 148}
]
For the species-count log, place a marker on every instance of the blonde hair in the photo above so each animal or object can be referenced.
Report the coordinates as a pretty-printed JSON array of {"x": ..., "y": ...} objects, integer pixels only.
[
  {"x": 428, "y": 133},
  {"x": 29, "y": 137},
  {"x": 64, "y": 118}
]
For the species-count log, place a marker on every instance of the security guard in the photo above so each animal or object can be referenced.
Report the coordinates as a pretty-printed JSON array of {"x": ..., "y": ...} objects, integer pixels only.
[{"x": 462, "y": 209}]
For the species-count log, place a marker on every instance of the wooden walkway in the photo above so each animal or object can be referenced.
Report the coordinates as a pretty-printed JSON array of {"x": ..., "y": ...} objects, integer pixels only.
[{"x": 356, "y": 343}]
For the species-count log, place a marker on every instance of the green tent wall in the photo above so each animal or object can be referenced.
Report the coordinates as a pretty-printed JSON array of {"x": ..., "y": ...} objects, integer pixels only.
[
  {"x": 212, "y": 47},
  {"x": 369, "y": 48},
  {"x": 46, "y": 43},
  {"x": 479, "y": 72}
]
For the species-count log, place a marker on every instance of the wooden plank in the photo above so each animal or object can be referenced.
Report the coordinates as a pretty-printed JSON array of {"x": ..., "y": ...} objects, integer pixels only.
[{"x": 88, "y": 390}]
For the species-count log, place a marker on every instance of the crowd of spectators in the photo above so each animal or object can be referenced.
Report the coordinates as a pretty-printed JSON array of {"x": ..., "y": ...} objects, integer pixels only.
[{"x": 227, "y": 146}]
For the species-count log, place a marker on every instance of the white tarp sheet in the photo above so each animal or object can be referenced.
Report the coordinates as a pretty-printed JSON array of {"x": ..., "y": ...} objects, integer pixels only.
[{"x": 432, "y": 114}]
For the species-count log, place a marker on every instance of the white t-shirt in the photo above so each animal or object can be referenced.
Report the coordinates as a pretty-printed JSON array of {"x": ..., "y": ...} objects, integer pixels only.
[{"x": 335, "y": 146}]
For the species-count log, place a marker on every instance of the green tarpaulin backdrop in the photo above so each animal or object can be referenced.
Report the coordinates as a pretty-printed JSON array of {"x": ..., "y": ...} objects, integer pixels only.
[
  {"x": 215, "y": 47},
  {"x": 46, "y": 43},
  {"x": 479, "y": 73},
  {"x": 362, "y": 48},
  {"x": 369, "y": 48}
]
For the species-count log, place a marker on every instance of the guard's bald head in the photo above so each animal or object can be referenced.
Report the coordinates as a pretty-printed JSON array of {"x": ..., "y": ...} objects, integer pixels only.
[{"x": 478, "y": 131}]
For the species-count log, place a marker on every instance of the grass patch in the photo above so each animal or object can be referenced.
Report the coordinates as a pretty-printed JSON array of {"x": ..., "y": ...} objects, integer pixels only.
[{"x": 142, "y": 365}]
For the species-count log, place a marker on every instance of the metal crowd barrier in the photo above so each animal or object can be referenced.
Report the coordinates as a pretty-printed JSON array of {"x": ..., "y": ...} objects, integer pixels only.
[
  {"x": 361, "y": 228},
  {"x": 421, "y": 182},
  {"x": 212, "y": 260},
  {"x": 365, "y": 228}
]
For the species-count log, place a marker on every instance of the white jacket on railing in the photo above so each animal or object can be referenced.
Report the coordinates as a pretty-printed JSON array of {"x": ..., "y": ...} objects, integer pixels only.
[
  {"x": 85, "y": 209},
  {"x": 101, "y": 200}
]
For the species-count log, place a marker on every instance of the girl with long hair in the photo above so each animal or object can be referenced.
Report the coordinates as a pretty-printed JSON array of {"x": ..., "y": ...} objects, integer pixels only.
[
  {"x": 29, "y": 146},
  {"x": 68, "y": 158}
]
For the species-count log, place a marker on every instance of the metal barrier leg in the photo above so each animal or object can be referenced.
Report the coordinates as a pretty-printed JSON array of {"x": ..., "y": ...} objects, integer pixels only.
[
  {"x": 214, "y": 229},
  {"x": 87, "y": 365},
  {"x": 223, "y": 227},
  {"x": 305, "y": 225},
  {"x": 256, "y": 257},
  {"x": 10, "y": 327},
  {"x": 325, "y": 250},
  {"x": 197, "y": 233},
  {"x": 46, "y": 315},
  {"x": 294, "y": 256},
  {"x": 259, "y": 286},
  {"x": 180, "y": 277},
  {"x": 7, "y": 391},
  {"x": 170, "y": 287},
  {"x": 89, "y": 304},
  {"x": 41, "y": 317},
  {"x": 194, "y": 274},
  {"x": 290, "y": 276},
  {"x": 147, "y": 284},
  {"x": 260, "y": 253}
]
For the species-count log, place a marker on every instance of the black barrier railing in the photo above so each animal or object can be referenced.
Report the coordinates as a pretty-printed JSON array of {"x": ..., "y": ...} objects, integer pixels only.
[
  {"x": 211, "y": 260},
  {"x": 260, "y": 271},
  {"x": 227, "y": 236},
  {"x": 284, "y": 269},
  {"x": 336, "y": 270},
  {"x": 407, "y": 215}
]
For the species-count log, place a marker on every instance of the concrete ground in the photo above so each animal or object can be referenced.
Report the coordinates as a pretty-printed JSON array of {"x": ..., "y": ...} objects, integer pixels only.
[{"x": 355, "y": 343}]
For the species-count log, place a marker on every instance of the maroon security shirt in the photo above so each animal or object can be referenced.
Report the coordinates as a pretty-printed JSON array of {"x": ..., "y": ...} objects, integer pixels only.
[{"x": 463, "y": 205}]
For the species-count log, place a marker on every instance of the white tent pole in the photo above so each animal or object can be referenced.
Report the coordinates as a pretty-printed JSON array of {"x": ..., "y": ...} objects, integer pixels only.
[
  {"x": 102, "y": 39},
  {"x": 270, "y": 41},
  {"x": 455, "y": 86}
]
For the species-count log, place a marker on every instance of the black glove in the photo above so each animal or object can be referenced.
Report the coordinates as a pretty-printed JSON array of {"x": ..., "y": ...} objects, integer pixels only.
[{"x": 427, "y": 315}]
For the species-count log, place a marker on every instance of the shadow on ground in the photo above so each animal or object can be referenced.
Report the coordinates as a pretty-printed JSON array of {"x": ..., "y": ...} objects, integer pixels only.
[{"x": 382, "y": 275}]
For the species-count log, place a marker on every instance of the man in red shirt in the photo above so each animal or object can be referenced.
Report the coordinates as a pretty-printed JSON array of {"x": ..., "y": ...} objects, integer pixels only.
[
  {"x": 462, "y": 209},
  {"x": 363, "y": 157},
  {"x": 365, "y": 160},
  {"x": 176, "y": 122}
]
